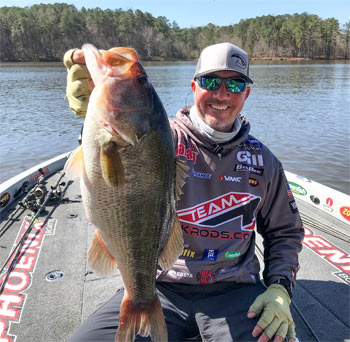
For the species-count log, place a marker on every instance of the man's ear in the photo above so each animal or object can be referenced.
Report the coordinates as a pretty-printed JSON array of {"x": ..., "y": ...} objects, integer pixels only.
[
  {"x": 193, "y": 85},
  {"x": 247, "y": 92}
]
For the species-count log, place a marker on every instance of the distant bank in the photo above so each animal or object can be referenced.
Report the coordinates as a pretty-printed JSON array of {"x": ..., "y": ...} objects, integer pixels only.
[
  {"x": 44, "y": 32},
  {"x": 294, "y": 59}
]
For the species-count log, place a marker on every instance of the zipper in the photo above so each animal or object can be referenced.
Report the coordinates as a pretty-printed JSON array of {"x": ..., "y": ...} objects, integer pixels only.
[{"x": 218, "y": 150}]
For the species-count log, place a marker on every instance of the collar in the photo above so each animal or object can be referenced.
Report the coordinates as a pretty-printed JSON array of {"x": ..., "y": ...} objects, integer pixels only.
[{"x": 214, "y": 135}]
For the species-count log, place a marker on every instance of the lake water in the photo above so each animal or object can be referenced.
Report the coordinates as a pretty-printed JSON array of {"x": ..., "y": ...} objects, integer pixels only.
[{"x": 300, "y": 111}]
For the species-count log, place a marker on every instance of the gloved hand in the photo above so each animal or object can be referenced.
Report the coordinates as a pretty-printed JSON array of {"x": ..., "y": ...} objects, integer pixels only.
[
  {"x": 276, "y": 318},
  {"x": 79, "y": 82}
]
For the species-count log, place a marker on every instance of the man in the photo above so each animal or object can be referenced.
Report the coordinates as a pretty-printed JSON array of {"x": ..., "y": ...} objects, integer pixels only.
[{"x": 235, "y": 184}]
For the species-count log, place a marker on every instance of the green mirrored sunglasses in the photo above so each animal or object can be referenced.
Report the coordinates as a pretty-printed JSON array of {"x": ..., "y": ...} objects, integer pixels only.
[{"x": 233, "y": 85}]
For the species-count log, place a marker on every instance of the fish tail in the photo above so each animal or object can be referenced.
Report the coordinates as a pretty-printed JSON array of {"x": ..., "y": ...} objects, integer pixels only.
[
  {"x": 145, "y": 321},
  {"x": 99, "y": 258}
]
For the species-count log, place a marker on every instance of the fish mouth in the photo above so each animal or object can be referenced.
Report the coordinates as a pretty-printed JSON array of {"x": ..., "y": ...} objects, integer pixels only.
[{"x": 119, "y": 135}]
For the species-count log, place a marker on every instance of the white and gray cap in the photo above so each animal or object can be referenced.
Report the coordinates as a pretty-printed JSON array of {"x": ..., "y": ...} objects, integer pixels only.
[{"x": 223, "y": 56}]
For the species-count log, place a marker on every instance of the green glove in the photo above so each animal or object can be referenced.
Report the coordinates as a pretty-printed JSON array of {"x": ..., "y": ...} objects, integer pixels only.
[
  {"x": 78, "y": 89},
  {"x": 276, "y": 318}
]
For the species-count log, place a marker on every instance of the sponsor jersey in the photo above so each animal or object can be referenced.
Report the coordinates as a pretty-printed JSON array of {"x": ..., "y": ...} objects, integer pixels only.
[{"x": 233, "y": 191}]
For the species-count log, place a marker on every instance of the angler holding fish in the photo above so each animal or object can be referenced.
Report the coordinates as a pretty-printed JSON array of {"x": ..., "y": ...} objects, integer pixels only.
[{"x": 208, "y": 284}]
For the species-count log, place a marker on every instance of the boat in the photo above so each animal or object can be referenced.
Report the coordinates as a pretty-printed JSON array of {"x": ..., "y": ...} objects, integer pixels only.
[{"x": 47, "y": 288}]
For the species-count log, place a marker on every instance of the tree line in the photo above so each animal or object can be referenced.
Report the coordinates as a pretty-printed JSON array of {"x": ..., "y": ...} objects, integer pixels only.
[{"x": 44, "y": 32}]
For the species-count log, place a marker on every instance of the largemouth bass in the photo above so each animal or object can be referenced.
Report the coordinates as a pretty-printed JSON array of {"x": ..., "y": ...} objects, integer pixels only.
[{"x": 130, "y": 180}]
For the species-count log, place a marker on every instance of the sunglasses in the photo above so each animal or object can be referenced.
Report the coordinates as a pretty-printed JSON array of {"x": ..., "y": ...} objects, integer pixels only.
[{"x": 233, "y": 85}]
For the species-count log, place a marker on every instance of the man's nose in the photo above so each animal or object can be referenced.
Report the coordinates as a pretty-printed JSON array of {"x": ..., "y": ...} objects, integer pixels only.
[{"x": 222, "y": 91}]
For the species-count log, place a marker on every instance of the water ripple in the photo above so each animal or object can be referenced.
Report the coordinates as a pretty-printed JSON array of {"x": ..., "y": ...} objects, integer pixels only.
[{"x": 300, "y": 111}]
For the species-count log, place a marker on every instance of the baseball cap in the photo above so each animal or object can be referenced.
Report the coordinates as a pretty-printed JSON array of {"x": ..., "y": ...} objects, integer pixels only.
[{"x": 223, "y": 56}]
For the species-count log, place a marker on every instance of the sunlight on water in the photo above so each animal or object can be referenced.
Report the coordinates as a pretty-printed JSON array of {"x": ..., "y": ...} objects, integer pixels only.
[{"x": 300, "y": 111}]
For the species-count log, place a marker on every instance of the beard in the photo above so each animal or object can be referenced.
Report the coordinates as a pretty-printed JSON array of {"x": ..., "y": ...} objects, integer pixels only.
[{"x": 217, "y": 124}]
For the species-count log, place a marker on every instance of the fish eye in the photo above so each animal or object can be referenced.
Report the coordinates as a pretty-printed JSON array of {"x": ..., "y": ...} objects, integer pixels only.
[{"x": 143, "y": 79}]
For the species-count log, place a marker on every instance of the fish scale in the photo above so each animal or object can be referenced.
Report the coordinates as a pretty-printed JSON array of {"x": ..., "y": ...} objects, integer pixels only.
[{"x": 129, "y": 213}]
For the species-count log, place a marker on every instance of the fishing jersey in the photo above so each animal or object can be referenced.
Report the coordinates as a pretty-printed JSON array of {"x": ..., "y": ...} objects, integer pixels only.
[{"x": 233, "y": 190}]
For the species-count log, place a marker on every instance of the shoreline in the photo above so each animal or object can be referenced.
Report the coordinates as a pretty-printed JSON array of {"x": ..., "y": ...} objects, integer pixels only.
[
  {"x": 297, "y": 59},
  {"x": 288, "y": 59}
]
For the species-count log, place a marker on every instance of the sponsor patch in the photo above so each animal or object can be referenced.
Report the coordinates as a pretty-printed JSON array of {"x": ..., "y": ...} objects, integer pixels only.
[
  {"x": 180, "y": 274},
  {"x": 223, "y": 209},
  {"x": 188, "y": 253},
  {"x": 345, "y": 212},
  {"x": 293, "y": 207},
  {"x": 206, "y": 277},
  {"x": 254, "y": 143},
  {"x": 247, "y": 168},
  {"x": 297, "y": 189},
  {"x": 4, "y": 199},
  {"x": 206, "y": 233},
  {"x": 250, "y": 159},
  {"x": 329, "y": 201},
  {"x": 328, "y": 205},
  {"x": 282, "y": 171},
  {"x": 231, "y": 255},
  {"x": 227, "y": 270},
  {"x": 201, "y": 174},
  {"x": 251, "y": 144},
  {"x": 187, "y": 153},
  {"x": 253, "y": 182},
  {"x": 231, "y": 179},
  {"x": 210, "y": 254}
]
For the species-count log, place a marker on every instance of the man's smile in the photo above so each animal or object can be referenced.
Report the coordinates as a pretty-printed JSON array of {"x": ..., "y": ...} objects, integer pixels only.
[{"x": 219, "y": 107}]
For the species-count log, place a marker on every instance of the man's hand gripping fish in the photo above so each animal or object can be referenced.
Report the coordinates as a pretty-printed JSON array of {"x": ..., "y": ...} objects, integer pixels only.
[{"x": 130, "y": 180}]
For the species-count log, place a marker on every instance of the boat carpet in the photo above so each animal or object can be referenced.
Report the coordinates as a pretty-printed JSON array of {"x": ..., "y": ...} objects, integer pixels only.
[{"x": 52, "y": 289}]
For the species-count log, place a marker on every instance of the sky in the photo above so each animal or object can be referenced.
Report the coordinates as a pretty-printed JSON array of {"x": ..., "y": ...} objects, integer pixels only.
[{"x": 192, "y": 13}]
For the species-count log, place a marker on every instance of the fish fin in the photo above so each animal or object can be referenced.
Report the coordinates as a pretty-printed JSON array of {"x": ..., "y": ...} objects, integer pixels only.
[
  {"x": 145, "y": 321},
  {"x": 114, "y": 58},
  {"x": 111, "y": 164},
  {"x": 99, "y": 258},
  {"x": 111, "y": 63},
  {"x": 94, "y": 63},
  {"x": 119, "y": 60},
  {"x": 74, "y": 167},
  {"x": 126, "y": 52},
  {"x": 181, "y": 175},
  {"x": 174, "y": 246}
]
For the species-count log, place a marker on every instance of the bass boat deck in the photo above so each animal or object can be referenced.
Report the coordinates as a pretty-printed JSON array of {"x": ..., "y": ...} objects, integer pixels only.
[{"x": 47, "y": 288}]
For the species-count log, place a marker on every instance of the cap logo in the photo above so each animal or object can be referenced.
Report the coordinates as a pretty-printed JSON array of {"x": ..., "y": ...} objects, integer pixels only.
[{"x": 240, "y": 62}]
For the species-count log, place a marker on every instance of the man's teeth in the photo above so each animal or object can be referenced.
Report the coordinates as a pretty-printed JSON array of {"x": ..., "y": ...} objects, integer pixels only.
[{"x": 219, "y": 107}]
